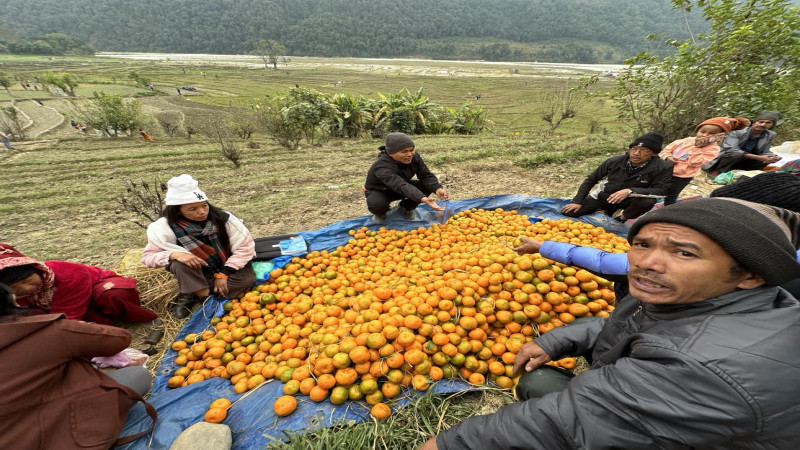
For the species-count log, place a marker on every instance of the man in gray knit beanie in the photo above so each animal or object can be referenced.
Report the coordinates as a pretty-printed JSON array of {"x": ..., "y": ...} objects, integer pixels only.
[
  {"x": 391, "y": 177},
  {"x": 699, "y": 355}
]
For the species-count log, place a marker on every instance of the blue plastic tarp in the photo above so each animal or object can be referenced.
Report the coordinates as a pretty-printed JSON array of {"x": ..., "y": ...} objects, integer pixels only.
[{"x": 252, "y": 420}]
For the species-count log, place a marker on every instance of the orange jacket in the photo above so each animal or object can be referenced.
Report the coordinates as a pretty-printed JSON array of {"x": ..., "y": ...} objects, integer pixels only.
[{"x": 690, "y": 158}]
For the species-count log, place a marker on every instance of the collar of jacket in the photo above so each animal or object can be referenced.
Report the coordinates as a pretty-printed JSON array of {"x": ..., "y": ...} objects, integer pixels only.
[{"x": 740, "y": 301}]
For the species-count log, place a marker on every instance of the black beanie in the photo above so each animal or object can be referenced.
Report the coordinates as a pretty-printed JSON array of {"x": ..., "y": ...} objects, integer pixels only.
[
  {"x": 774, "y": 116},
  {"x": 779, "y": 189},
  {"x": 757, "y": 236},
  {"x": 652, "y": 140},
  {"x": 397, "y": 141},
  {"x": 11, "y": 275}
]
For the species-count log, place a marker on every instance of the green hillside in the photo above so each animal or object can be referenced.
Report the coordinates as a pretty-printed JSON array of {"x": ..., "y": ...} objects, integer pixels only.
[{"x": 586, "y": 31}]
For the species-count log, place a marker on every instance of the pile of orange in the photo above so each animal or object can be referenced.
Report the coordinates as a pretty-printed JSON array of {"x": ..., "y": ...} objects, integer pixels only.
[{"x": 394, "y": 309}]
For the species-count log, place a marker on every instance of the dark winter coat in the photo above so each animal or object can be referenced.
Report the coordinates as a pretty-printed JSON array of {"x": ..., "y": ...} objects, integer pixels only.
[
  {"x": 718, "y": 374},
  {"x": 654, "y": 179},
  {"x": 386, "y": 174}
]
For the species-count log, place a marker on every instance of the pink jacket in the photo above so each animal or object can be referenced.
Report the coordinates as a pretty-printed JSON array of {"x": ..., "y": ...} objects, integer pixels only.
[
  {"x": 690, "y": 158},
  {"x": 161, "y": 242}
]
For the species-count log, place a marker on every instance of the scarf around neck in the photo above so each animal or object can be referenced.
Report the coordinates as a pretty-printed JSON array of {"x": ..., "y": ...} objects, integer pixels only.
[
  {"x": 202, "y": 240},
  {"x": 630, "y": 168}
]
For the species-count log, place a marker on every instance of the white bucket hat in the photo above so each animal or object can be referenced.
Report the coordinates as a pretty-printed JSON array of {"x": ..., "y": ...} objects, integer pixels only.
[{"x": 182, "y": 190}]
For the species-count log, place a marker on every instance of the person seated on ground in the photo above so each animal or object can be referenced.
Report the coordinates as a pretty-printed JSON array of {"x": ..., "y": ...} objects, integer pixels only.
[
  {"x": 698, "y": 356},
  {"x": 144, "y": 135},
  {"x": 781, "y": 190},
  {"x": 747, "y": 149},
  {"x": 390, "y": 178},
  {"x": 639, "y": 171},
  {"x": 689, "y": 154},
  {"x": 52, "y": 395},
  {"x": 78, "y": 291},
  {"x": 206, "y": 248}
]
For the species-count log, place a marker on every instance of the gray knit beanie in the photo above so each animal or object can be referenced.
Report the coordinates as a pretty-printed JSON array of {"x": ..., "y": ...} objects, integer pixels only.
[
  {"x": 779, "y": 189},
  {"x": 759, "y": 237},
  {"x": 774, "y": 116},
  {"x": 397, "y": 141}
]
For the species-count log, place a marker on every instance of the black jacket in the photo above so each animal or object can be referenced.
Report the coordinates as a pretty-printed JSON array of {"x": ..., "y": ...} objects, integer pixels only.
[
  {"x": 653, "y": 179},
  {"x": 718, "y": 374},
  {"x": 386, "y": 174}
]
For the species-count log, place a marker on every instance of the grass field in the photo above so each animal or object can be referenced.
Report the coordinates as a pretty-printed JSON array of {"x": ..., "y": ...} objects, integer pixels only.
[{"x": 59, "y": 189}]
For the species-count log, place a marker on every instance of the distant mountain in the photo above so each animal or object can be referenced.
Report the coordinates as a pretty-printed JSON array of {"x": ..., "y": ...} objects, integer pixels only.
[{"x": 543, "y": 30}]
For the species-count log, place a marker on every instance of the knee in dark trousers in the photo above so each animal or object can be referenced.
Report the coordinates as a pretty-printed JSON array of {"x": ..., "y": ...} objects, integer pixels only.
[
  {"x": 542, "y": 381},
  {"x": 379, "y": 202},
  {"x": 637, "y": 207},
  {"x": 189, "y": 279},
  {"x": 676, "y": 185}
]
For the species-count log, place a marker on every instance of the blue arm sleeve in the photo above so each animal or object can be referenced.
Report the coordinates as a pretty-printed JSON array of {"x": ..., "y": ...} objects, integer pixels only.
[{"x": 589, "y": 258}]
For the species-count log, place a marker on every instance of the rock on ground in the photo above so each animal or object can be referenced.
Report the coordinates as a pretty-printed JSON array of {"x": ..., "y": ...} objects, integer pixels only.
[{"x": 204, "y": 436}]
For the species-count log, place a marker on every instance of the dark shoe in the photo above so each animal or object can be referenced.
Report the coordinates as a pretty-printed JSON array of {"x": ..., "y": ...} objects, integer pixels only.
[
  {"x": 618, "y": 216},
  {"x": 152, "y": 339},
  {"x": 379, "y": 219},
  {"x": 181, "y": 307},
  {"x": 408, "y": 214}
]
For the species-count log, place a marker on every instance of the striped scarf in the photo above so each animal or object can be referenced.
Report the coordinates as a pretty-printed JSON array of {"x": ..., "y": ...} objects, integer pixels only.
[
  {"x": 630, "y": 168},
  {"x": 201, "y": 241}
]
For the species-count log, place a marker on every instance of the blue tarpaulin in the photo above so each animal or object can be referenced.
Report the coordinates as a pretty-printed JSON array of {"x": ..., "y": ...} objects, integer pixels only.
[{"x": 252, "y": 419}]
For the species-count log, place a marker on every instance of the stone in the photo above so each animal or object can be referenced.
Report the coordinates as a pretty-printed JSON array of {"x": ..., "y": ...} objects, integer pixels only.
[{"x": 204, "y": 436}]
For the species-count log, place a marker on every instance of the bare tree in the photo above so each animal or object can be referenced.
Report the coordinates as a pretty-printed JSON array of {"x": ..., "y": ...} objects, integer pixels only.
[
  {"x": 222, "y": 135},
  {"x": 143, "y": 200},
  {"x": 562, "y": 103}
]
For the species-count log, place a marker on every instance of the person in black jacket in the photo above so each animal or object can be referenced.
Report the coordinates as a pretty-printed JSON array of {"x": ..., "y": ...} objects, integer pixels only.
[
  {"x": 390, "y": 179},
  {"x": 699, "y": 355},
  {"x": 640, "y": 171}
]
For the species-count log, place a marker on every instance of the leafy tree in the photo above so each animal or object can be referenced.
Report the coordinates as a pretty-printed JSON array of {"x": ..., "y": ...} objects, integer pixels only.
[
  {"x": 138, "y": 78},
  {"x": 112, "y": 114},
  {"x": 404, "y": 111},
  {"x": 63, "y": 44},
  {"x": 5, "y": 81},
  {"x": 311, "y": 110},
  {"x": 748, "y": 61},
  {"x": 286, "y": 133},
  {"x": 63, "y": 80},
  {"x": 469, "y": 120},
  {"x": 351, "y": 115},
  {"x": 11, "y": 123},
  {"x": 270, "y": 52}
]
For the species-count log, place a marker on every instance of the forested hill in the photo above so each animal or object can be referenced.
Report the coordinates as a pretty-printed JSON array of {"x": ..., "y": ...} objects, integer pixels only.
[{"x": 543, "y": 30}]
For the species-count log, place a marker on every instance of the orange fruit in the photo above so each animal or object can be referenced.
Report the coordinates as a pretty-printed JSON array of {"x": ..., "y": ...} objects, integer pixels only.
[
  {"x": 284, "y": 405},
  {"x": 215, "y": 415},
  {"x": 380, "y": 411},
  {"x": 175, "y": 381},
  {"x": 221, "y": 403},
  {"x": 318, "y": 394}
]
